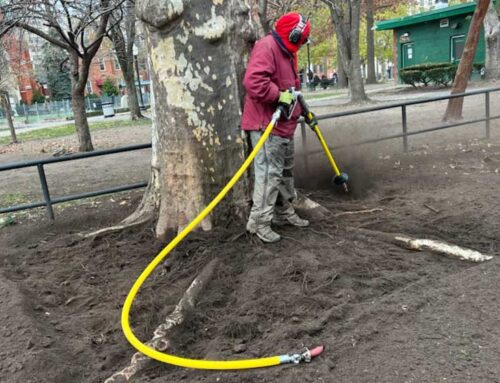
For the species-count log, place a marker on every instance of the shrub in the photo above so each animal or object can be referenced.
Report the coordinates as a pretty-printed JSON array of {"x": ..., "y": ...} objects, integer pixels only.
[
  {"x": 442, "y": 75},
  {"x": 424, "y": 67},
  {"x": 38, "y": 97},
  {"x": 109, "y": 88},
  {"x": 411, "y": 77},
  {"x": 438, "y": 74}
]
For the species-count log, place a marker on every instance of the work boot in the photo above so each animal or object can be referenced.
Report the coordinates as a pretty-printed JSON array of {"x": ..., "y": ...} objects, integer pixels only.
[
  {"x": 251, "y": 226},
  {"x": 267, "y": 235},
  {"x": 292, "y": 219}
]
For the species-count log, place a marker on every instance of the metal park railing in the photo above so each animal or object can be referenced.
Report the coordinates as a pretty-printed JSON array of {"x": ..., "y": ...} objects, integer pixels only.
[{"x": 48, "y": 201}]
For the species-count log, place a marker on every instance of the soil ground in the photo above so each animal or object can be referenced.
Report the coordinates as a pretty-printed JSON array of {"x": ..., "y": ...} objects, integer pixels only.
[{"x": 384, "y": 313}]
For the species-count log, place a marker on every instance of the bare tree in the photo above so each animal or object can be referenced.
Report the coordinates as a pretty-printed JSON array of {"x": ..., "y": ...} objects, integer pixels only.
[
  {"x": 6, "y": 85},
  {"x": 123, "y": 37},
  {"x": 492, "y": 37},
  {"x": 79, "y": 27},
  {"x": 346, "y": 18},
  {"x": 371, "y": 77},
  {"x": 455, "y": 105}
]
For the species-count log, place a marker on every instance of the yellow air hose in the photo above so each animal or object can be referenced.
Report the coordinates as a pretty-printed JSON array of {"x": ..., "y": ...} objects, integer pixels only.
[{"x": 195, "y": 363}]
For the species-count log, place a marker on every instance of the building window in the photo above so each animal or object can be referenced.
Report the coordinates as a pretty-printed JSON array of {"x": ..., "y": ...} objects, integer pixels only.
[
  {"x": 89, "y": 87},
  {"x": 102, "y": 65},
  {"x": 444, "y": 23},
  {"x": 457, "y": 47},
  {"x": 116, "y": 63}
]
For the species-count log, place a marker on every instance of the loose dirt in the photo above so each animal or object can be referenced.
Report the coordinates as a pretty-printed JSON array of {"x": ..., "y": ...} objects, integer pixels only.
[{"x": 385, "y": 314}]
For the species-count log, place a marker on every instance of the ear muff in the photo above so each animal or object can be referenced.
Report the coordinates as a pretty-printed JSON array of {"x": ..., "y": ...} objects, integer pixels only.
[{"x": 295, "y": 36}]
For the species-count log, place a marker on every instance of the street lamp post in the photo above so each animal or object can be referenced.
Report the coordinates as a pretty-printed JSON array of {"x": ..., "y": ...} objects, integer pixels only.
[{"x": 135, "y": 52}]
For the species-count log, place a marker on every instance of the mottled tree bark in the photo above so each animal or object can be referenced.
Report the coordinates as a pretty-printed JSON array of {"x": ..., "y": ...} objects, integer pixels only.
[
  {"x": 5, "y": 102},
  {"x": 455, "y": 105},
  {"x": 492, "y": 37},
  {"x": 371, "y": 77},
  {"x": 196, "y": 55}
]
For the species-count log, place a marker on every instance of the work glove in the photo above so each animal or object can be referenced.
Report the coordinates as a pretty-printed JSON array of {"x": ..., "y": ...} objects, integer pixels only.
[
  {"x": 310, "y": 120},
  {"x": 286, "y": 98}
]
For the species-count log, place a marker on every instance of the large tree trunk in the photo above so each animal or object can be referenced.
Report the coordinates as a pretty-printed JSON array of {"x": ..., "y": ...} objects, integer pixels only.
[
  {"x": 371, "y": 77},
  {"x": 455, "y": 105},
  {"x": 79, "y": 71},
  {"x": 5, "y": 102},
  {"x": 492, "y": 37},
  {"x": 342, "y": 75},
  {"x": 346, "y": 17},
  {"x": 196, "y": 62}
]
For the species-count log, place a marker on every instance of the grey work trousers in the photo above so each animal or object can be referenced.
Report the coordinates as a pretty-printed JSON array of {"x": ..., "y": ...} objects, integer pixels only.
[{"x": 273, "y": 188}]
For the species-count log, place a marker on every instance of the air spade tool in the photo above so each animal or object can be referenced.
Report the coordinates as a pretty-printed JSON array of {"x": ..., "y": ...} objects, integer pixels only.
[{"x": 340, "y": 178}]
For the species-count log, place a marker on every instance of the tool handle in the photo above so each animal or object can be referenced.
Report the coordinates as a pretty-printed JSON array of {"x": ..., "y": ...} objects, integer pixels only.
[
  {"x": 306, "y": 112},
  {"x": 327, "y": 151}
]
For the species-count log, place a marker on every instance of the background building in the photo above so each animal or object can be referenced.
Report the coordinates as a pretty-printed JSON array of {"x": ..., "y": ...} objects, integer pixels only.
[
  {"x": 435, "y": 36},
  {"x": 22, "y": 66}
]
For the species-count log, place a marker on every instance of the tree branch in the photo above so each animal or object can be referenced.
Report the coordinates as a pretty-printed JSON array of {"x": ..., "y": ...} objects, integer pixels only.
[{"x": 43, "y": 35}]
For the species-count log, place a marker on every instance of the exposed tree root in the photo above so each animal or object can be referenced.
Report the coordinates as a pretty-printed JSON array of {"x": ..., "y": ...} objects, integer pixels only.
[
  {"x": 123, "y": 225},
  {"x": 440, "y": 247},
  {"x": 453, "y": 251},
  {"x": 431, "y": 208},
  {"x": 160, "y": 339},
  {"x": 145, "y": 212},
  {"x": 309, "y": 207},
  {"x": 366, "y": 211}
]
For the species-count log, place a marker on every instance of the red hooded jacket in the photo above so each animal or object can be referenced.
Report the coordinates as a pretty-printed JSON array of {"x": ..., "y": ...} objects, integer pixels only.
[{"x": 271, "y": 69}]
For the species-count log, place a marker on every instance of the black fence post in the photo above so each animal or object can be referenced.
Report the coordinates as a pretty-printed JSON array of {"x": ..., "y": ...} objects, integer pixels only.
[
  {"x": 305, "y": 153},
  {"x": 487, "y": 106},
  {"x": 405, "y": 128},
  {"x": 45, "y": 190}
]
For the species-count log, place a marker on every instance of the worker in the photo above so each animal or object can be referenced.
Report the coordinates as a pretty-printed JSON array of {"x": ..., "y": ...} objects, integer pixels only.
[{"x": 271, "y": 72}]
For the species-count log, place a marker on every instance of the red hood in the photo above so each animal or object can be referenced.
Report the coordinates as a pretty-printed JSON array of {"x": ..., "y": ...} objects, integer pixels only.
[{"x": 285, "y": 24}]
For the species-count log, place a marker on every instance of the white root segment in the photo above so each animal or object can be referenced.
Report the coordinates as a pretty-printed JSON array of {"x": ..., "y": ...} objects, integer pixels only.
[
  {"x": 160, "y": 340},
  {"x": 366, "y": 211},
  {"x": 453, "y": 251}
]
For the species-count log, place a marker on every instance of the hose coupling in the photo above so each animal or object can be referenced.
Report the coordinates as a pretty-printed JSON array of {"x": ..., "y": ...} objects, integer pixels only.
[
  {"x": 306, "y": 356},
  {"x": 276, "y": 115}
]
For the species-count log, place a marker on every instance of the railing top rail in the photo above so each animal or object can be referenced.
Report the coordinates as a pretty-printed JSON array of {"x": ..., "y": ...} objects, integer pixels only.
[
  {"x": 76, "y": 156},
  {"x": 406, "y": 103}
]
